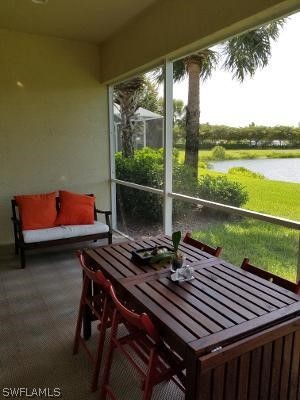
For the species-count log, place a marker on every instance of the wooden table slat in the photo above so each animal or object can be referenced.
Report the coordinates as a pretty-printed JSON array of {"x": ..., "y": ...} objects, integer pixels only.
[
  {"x": 265, "y": 297},
  {"x": 230, "y": 285},
  {"x": 197, "y": 329},
  {"x": 104, "y": 265},
  {"x": 236, "y": 332},
  {"x": 120, "y": 258},
  {"x": 285, "y": 373},
  {"x": 278, "y": 289},
  {"x": 112, "y": 263},
  {"x": 193, "y": 303},
  {"x": 261, "y": 284},
  {"x": 186, "y": 290},
  {"x": 160, "y": 313},
  {"x": 232, "y": 309}
]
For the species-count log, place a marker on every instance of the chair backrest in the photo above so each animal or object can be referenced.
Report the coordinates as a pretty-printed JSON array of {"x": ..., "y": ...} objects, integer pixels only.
[
  {"x": 293, "y": 287},
  {"x": 140, "y": 321},
  {"x": 202, "y": 246},
  {"x": 95, "y": 276}
]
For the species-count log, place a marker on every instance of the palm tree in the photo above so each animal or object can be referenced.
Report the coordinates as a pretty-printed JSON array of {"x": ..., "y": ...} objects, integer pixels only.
[
  {"x": 127, "y": 95},
  {"x": 242, "y": 55},
  {"x": 196, "y": 66}
]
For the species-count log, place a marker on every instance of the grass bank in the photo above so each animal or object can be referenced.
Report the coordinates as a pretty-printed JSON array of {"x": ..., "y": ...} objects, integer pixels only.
[
  {"x": 206, "y": 155},
  {"x": 267, "y": 196},
  {"x": 270, "y": 246}
]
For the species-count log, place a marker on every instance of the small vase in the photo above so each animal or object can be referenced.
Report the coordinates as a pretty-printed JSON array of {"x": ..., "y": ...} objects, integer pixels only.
[{"x": 176, "y": 263}]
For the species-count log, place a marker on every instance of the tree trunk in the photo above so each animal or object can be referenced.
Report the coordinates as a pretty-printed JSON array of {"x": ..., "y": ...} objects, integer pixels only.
[
  {"x": 127, "y": 95},
  {"x": 127, "y": 136},
  {"x": 128, "y": 105},
  {"x": 193, "y": 68}
]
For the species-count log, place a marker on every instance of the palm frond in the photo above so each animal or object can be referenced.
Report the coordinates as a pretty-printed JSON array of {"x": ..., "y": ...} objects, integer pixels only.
[
  {"x": 245, "y": 53},
  {"x": 131, "y": 85},
  {"x": 210, "y": 59},
  {"x": 178, "y": 72},
  {"x": 207, "y": 58}
]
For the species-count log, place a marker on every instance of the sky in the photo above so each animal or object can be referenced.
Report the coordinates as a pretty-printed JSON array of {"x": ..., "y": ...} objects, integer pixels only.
[{"x": 271, "y": 97}]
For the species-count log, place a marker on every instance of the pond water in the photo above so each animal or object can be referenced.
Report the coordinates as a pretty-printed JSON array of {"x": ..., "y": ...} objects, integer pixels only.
[{"x": 279, "y": 169}]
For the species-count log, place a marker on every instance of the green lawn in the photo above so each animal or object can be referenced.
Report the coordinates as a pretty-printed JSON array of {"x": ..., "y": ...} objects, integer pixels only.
[
  {"x": 266, "y": 196},
  {"x": 270, "y": 246}
]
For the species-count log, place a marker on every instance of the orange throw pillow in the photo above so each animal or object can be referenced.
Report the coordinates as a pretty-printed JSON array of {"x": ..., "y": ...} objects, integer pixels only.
[
  {"x": 75, "y": 209},
  {"x": 37, "y": 211}
]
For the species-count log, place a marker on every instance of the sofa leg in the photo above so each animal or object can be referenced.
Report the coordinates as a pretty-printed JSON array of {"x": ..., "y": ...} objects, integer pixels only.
[{"x": 22, "y": 258}]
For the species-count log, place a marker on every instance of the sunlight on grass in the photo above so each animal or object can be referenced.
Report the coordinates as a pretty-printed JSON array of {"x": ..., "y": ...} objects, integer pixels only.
[{"x": 268, "y": 246}]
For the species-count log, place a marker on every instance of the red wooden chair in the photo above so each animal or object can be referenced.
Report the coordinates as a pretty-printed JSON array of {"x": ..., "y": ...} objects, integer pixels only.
[
  {"x": 202, "y": 246},
  {"x": 141, "y": 344},
  {"x": 99, "y": 304},
  {"x": 293, "y": 287}
]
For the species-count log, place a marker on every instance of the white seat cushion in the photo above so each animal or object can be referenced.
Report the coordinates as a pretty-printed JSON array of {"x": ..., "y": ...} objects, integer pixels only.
[{"x": 63, "y": 232}]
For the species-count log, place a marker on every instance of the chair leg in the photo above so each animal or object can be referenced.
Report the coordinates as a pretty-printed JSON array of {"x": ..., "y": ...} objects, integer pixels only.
[
  {"x": 79, "y": 322},
  {"x": 106, "y": 373},
  {"x": 87, "y": 314},
  {"x": 78, "y": 329},
  {"x": 149, "y": 383},
  {"x": 110, "y": 238},
  {"x": 102, "y": 333},
  {"x": 16, "y": 248},
  {"x": 109, "y": 359},
  {"x": 22, "y": 257}
]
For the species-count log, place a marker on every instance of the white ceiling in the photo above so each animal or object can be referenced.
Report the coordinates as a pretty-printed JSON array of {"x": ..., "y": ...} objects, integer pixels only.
[{"x": 88, "y": 20}]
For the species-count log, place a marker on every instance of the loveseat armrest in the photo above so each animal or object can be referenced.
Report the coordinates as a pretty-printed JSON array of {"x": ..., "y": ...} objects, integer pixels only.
[
  {"x": 17, "y": 223},
  {"x": 17, "y": 228},
  {"x": 107, "y": 214}
]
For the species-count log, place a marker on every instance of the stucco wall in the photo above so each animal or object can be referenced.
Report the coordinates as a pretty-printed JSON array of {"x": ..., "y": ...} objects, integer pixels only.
[
  {"x": 172, "y": 28},
  {"x": 53, "y": 120}
]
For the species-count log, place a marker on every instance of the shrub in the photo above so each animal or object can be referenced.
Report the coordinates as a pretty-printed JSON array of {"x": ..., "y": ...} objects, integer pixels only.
[
  {"x": 218, "y": 153},
  {"x": 242, "y": 171},
  {"x": 203, "y": 165},
  {"x": 184, "y": 180},
  {"x": 221, "y": 190},
  {"x": 146, "y": 168}
]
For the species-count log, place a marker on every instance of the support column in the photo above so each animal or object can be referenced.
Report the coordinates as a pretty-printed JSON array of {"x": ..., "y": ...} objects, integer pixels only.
[
  {"x": 168, "y": 146},
  {"x": 112, "y": 147},
  {"x": 298, "y": 261}
]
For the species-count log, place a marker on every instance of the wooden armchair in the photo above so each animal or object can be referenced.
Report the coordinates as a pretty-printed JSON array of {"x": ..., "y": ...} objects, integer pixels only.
[
  {"x": 202, "y": 246},
  {"x": 293, "y": 287}
]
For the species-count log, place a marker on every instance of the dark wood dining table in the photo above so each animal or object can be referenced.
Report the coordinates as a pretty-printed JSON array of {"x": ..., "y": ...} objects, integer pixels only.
[{"x": 238, "y": 334}]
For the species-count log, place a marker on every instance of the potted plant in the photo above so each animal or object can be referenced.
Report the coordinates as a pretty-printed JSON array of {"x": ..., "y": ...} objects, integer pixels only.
[
  {"x": 175, "y": 256},
  {"x": 177, "y": 259}
]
